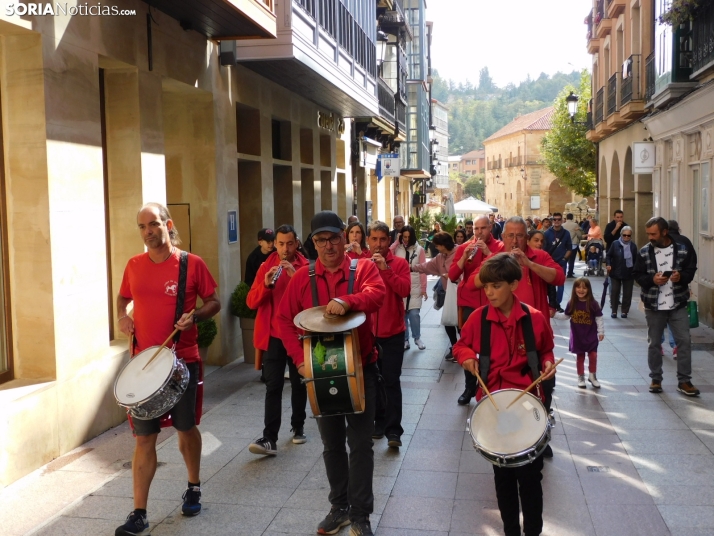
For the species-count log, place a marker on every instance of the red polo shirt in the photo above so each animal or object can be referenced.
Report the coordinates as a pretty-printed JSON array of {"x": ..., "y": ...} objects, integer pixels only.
[
  {"x": 367, "y": 296},
  {"x": 467, "y": 295},
  {"x": 397, "y": 278},
  {"x": 532, "y": 290},
  {"x": 266, "y": 300},
  {"x": 508, "y": 350}
]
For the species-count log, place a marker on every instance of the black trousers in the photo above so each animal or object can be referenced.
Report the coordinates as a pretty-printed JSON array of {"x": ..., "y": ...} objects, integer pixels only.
[
  {"x": 626, "y": 286},
  {"x": 512, "y": 482},
  {"x": 274, "y": 360},
  {"x": 350, "y": 477},
  {"x": 389, "y": 418},
  {"x": 471, "y": 383}
]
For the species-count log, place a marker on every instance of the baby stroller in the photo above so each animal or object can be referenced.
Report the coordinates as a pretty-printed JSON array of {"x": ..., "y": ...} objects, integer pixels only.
[{"x": 594, "y": 258}]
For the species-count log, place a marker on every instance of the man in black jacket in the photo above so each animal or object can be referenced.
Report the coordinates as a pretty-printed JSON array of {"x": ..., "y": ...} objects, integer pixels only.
[
  {"x": 664, "y": 269},
  {"x": 614, "y": 228},
  {"x": 266, "y": 245}
]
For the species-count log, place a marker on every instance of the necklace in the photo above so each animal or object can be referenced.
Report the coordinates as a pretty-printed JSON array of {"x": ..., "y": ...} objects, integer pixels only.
[{"x": 167, "y": 257}]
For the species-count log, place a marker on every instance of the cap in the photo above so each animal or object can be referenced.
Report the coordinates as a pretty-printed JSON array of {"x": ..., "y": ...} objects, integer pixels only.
[
  {"x": 266, "y": 234},
  {"x": 326, "y": 220}
]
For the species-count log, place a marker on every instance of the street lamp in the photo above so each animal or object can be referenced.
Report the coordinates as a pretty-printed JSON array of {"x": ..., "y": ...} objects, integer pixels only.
[{"x": 572, "y": 102}]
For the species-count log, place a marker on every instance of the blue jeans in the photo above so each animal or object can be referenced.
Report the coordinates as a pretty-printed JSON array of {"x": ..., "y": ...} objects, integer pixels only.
[
  {"x": 672, "y": 344},
  {"x": 412, "y": 318},
  {"x": 678, "y": 321},
  {"x": 559, "y": 289}
]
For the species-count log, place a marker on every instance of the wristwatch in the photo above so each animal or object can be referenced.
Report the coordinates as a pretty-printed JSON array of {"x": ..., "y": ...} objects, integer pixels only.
[{"x": 195, "y": 318}]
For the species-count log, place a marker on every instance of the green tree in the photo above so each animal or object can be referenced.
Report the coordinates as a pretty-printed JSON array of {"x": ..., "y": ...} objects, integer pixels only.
[
  {"x": 474, "y": 185},
  {"x": 565, "y": 150}
]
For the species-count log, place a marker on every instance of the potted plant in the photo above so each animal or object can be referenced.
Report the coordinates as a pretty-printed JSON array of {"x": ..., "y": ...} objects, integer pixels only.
[
  {"x": 240, "y": 309},
  {"x": 207, "y": 331}
]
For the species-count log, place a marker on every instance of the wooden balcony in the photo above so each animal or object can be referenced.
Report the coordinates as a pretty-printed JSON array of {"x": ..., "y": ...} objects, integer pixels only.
[
  {"x": 603, "y": 29},
  {"x": 593, "y": 45}
]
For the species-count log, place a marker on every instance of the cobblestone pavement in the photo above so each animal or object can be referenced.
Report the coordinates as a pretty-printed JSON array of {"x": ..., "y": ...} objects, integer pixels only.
[{"x": 627, "y": 462}]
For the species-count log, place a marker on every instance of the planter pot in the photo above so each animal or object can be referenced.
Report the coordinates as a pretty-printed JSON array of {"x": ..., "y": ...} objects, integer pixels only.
[
  {"x": 247, "y": 325},
  {"x": 203, "y": 353}
]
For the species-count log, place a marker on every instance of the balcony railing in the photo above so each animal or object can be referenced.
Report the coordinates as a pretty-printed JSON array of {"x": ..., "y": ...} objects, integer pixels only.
[
  {"x": 385, "y": 95},
  {"x": 703, "y": 37},
  {"x": 599, "y": 12},
  {"x": 589, "y": 22},
  {"x": 631, "y": 84},
  {"x": 338, "y": 22},
  {"x": 599, "y": 105},
  {"x": 612, "y": 94},
  {"x": 650, "y": 76},
  {"x": 401, "y": 115}
]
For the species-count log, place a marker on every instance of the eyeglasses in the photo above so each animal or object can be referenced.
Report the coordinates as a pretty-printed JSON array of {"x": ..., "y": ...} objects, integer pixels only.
[
  {"x": 512, "y": 236},
  {"x": 626, "y": 235},
  {"x": 557, "y": 219},
  {"x": 322, "y": 242}
]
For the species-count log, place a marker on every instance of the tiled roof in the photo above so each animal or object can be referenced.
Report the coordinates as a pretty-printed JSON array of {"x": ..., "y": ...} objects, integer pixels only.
[
  {"x": 481, "y": 153},
  {"x": 538, "y": 120}
]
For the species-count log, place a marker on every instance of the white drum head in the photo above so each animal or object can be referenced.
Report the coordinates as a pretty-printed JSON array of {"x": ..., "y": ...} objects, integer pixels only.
[
  {"x": 511, "y": 430},
  {"x": 135, "y": 385}
]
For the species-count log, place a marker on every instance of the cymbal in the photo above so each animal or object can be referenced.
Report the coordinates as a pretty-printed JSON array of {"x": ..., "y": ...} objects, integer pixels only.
[{"x": 315, "y": 319}]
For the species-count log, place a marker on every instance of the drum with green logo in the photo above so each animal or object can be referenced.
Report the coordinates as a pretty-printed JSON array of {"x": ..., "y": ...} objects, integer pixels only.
[{"x": 333, "y": 373}]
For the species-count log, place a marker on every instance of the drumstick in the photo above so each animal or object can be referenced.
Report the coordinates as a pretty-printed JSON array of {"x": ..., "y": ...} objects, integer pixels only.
[
  {"x": 485, "y": 389},
  {"x": 165, "y": 343},
  {"x": 536, "y": 382}
]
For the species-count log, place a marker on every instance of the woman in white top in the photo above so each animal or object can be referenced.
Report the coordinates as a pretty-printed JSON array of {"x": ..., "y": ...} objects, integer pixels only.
[{"x": 408, "y": 248}]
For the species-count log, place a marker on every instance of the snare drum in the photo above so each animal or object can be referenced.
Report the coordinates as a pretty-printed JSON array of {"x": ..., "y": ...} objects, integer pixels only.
[
  {"x": 509, "y": 437},
  {"x": 148, "y": 394},
  {"x": 333, "y": 373}
]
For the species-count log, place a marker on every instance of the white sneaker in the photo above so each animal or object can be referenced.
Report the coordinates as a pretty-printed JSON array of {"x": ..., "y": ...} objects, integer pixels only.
[
  {"x": 406, "y": 345},
  {"x": 593, "y": 379},
  {"x": 581, "y": 381},
  {"x": 419, "y": 344}
]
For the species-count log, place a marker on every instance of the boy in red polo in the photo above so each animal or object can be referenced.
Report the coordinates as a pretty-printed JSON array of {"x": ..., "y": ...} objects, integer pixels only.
[{"x": 509, "y": 368}]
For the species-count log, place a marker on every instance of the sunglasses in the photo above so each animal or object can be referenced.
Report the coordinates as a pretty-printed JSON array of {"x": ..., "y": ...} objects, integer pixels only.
[{"x": 627, "y": 235}]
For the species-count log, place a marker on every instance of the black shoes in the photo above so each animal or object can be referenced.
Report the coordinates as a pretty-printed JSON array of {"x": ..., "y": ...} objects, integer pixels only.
[
  {"x": 466, "y": 397},
  {"x": 394, "y": 441},
  {"x": 135, "y": 524},
  {"x": 263, "y": 446},
  {"x": 378, "y": 433},
  {"x": 334, "y": 521},
  {"x": 548, "y": 452}
]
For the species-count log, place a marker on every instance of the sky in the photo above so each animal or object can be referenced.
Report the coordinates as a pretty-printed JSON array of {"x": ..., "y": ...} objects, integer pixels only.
[{"x": 513, "y": 38}]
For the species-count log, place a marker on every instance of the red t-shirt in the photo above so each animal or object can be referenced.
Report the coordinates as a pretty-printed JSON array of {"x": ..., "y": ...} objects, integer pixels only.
[{"x": 153, "y": 288}]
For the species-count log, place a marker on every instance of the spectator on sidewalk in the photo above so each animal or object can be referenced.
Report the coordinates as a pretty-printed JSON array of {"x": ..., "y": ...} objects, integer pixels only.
[
  {"x": 664, "y": 269},
  {"x": 408, "y": 248},
  {"x": 266, "y": 245},
  {"x": 439, "y": 266},
  {"x": 614, "y": 228},
  {"x": 620, "y": 260},
  {"x": 576, "y": 234},
  {"x": 559, "y": 246}
]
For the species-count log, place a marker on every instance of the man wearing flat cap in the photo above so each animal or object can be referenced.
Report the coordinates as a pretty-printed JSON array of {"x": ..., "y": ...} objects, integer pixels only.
[
  {"x": 266, "y": 246},
  {"x": 350, "y": 475}
]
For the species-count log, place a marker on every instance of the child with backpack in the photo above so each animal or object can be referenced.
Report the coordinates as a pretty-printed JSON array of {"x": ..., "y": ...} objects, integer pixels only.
[{"x": 512, "y": 328}]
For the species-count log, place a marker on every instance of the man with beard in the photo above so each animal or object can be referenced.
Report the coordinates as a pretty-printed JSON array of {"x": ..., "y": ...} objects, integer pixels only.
[
  {"x": 559, "y": 246},
  {"x": 664, "y": 269},
  {"x": 389, "y": 327},
  {"x": 468, "y": 260},
  {"x": 150, "y": 283},
  {"x": 614, "y": 228}
]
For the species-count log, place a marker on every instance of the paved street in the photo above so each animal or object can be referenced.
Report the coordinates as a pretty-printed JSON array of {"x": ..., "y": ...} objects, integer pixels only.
[{"x": 627, "y": 462}]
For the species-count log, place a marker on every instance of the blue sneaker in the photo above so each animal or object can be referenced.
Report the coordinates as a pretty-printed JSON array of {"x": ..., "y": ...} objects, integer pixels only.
[
  {"x": 135, "y": 524},
  {"x": 191, "y": 501}
]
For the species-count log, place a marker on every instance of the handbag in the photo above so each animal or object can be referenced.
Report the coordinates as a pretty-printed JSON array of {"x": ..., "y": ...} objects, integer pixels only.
[
  {"x": 693, "y": 314},
  {"x": 450, "y": 315}
]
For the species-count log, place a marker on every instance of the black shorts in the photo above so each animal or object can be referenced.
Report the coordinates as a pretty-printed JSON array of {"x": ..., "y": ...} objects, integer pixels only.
[{"x": 183, "y": 414}]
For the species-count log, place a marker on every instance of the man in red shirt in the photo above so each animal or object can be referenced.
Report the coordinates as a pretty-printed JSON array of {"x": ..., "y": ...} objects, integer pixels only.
[
  {"x": 468, "y": 297},
  {"x": 389, "y": 328},
  {"x": 265, "y": 296},
  {"x": 150, "y": 282},
  {"x": 350, "y": 476}
]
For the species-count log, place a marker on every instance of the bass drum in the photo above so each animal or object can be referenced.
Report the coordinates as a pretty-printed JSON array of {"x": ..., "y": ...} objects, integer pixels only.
[
  {"x": 333, "y": 373},
  {"x": 151, "y": 392},
  {"x": 510, "y": 437}
]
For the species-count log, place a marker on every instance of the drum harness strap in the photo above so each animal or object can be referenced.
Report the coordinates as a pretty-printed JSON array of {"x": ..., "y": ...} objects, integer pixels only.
[
  {"x": 181, "y": 294},
  {"x": 313, "y": 280},
  {"x": 528, "y": 336}
]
